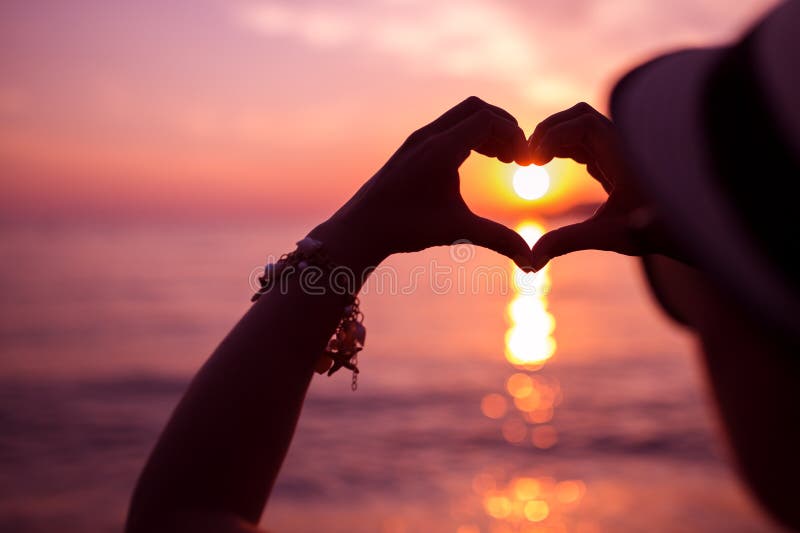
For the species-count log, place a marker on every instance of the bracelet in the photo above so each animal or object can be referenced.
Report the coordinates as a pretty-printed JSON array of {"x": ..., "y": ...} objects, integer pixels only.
[{"x": 348, "y": 338}]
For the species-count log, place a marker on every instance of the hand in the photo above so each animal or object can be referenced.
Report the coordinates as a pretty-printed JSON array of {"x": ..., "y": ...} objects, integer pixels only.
[
  {"x": 625, "y": 223},
  {"x": 414, "y": 201}
]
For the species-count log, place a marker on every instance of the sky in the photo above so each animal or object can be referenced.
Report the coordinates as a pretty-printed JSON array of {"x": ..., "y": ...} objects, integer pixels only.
[{"x": 223, "y": 108}]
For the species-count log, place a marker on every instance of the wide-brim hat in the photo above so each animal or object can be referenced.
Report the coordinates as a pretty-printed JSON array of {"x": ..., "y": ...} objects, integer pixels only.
[{"x": 714, "y": 137}]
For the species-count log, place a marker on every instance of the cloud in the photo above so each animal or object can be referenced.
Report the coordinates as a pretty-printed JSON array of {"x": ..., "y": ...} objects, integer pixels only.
[
  {"x": 462, "y": 39},
  {"x": 315, "y": 25}
]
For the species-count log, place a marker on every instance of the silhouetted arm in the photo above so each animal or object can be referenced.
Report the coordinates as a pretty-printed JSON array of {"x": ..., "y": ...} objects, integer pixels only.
[
  {"x": 218, "y": 458},
  {"x": 221, "y": 451}
]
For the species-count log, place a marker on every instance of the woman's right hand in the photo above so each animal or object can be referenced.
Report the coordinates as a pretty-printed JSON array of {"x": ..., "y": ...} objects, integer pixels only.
[{"x": 625, "y": 223}]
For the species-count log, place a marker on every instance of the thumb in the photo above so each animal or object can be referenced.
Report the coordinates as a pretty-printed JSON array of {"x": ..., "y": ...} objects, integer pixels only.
[
  {"x": 599, "y": 233},
  {"x": 503, "y": 240}
]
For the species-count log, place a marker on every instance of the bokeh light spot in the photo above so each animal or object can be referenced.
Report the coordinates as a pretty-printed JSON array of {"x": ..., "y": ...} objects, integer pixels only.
[
  {"x": 539, "y": 416},
  {"x": 497, "y": 506},
  {"x": 514, "y": 430},
  {"x": 570, "y": 491},
  {"x": 536, "y": 510},
  {"x": 526, "y": 488},
  {"x": 519, "y": 385},
  {"x": 544, "y": 437},
  {"x": 494, "y": 405}
]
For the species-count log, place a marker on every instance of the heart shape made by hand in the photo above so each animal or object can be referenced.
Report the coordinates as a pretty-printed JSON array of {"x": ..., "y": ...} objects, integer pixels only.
[{"x": 414, "y": 201}]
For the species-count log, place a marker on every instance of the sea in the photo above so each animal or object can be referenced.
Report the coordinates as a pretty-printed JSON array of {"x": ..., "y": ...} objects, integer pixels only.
[{"x": 485, "y": 404}]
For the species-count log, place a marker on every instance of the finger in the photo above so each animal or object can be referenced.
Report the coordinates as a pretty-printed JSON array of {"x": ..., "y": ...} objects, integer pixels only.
[
  {"x": 478, "y": 129},
  {"x": 490, "y": 148},
  {"x": 593, "y": 234},
  {"x": 583, "y": 156},
  {"x": 597, "y": 173},
  {"x": 568, "y": 138},
  {"x": 505, "y": 152},
  {"x": 464, "y": 109},
  {"x": 556, "y": 118},
  {"x": 584, "y": 139},
  {"x": 495, "y": 236},
  {"x": 494, "y": 148},
  {"x": 576, "y": 153},
  {"x": 522, "y": 154},
  {"x": 453, "y": 116},
  {"x": 516, "y": 151}
]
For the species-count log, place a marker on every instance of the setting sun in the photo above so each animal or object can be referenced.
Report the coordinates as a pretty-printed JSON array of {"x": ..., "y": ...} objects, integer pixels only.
[{"x": 531, "y": 183}]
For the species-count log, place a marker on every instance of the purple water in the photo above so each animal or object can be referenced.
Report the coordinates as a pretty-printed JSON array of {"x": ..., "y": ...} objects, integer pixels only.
[{"x": 102, "y": 326}]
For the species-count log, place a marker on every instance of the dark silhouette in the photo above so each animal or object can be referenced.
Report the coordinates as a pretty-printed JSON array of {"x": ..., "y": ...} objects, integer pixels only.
[{"x": 700, "y": 166}]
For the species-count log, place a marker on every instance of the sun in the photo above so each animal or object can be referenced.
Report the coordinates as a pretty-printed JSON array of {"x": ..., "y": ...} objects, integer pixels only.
[{"x": 531, "y": 183}]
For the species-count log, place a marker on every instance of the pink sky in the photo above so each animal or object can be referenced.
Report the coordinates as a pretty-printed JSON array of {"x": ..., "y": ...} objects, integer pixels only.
[{"x": 235, "y": 107}]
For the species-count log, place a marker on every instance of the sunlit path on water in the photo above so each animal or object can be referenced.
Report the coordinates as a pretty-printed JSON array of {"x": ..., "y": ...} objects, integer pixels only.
[{"x": 517, "y": 500}]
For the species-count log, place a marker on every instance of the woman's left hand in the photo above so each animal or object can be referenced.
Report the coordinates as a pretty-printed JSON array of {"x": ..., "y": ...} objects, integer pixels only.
[{"x": 414, "y": 201}]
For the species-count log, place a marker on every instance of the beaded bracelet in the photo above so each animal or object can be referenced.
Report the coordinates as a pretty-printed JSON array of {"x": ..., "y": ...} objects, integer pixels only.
[{"x": 348, "y": 338}]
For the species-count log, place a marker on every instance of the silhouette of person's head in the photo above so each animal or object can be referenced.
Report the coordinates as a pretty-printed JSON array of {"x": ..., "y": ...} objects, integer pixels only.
[{"x": 714, "y": 136}]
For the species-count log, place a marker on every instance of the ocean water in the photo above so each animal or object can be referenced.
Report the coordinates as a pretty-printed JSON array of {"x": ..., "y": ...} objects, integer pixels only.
[{"x": 102, "y": 326}]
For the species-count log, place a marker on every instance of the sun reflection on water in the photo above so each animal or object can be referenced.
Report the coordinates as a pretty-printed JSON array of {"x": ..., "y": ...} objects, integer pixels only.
[
  {"x": 529, "y": 340},
  {"x": 513, "y": 502},
  {"x": 528, "y": 504}
]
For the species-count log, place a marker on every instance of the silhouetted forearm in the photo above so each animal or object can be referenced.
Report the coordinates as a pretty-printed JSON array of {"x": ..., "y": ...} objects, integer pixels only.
[{"x": 224, "y": 444}]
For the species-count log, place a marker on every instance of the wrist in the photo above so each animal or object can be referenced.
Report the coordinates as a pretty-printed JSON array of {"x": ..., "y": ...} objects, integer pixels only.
[{"x": 349, "y": 247}]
